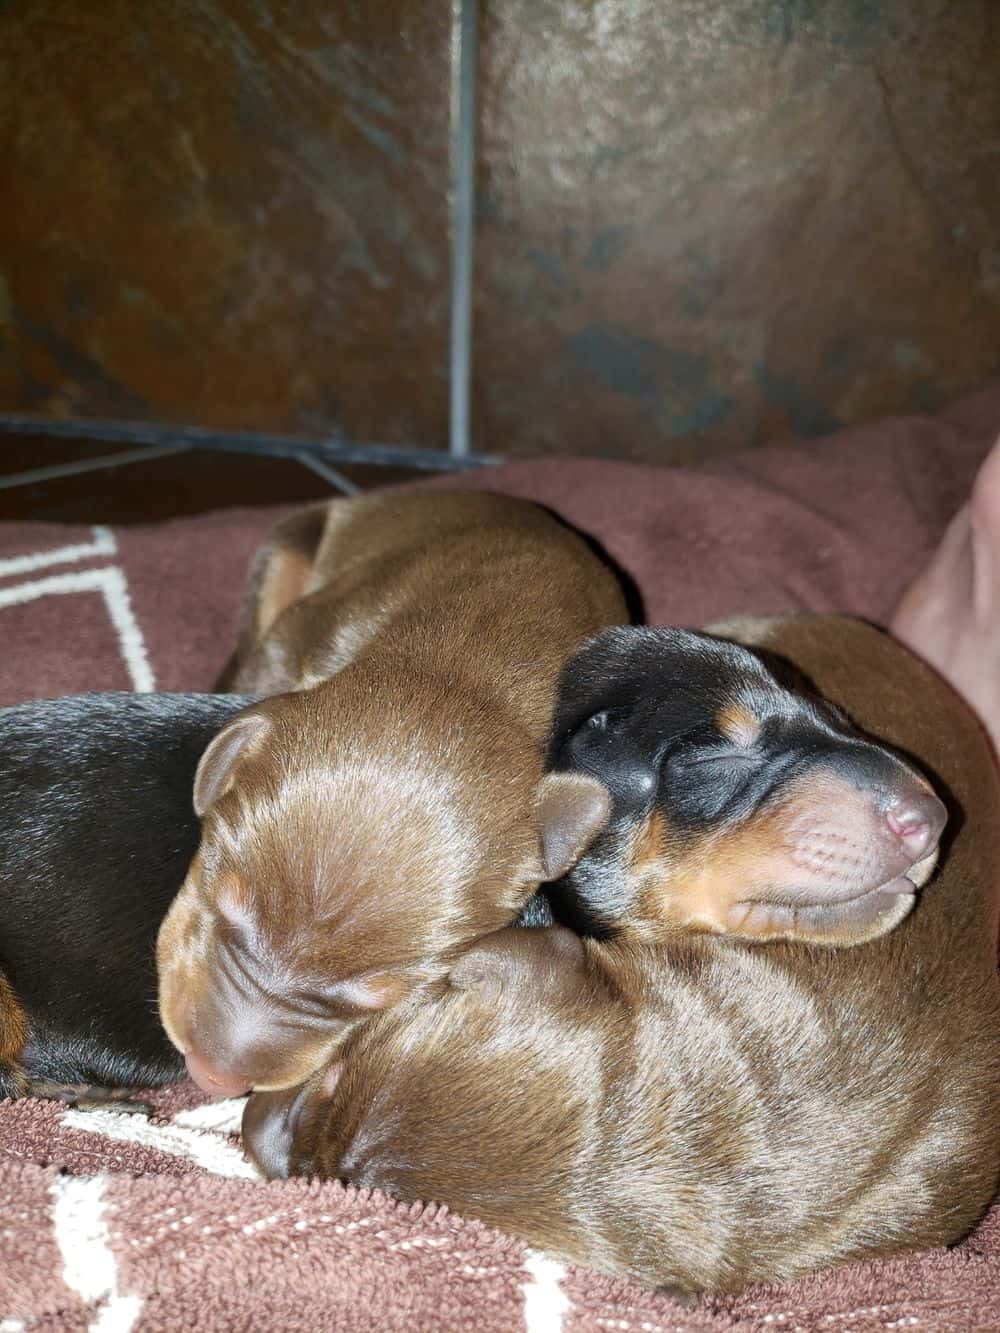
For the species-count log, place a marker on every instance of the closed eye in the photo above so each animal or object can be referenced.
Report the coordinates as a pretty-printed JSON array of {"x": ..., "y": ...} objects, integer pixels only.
[
  {"x": 731, "y": 756},
  {"x": 705, "y": 785}
]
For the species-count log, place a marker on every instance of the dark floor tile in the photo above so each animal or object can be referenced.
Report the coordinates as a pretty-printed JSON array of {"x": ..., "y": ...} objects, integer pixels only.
[{"x": 166, "y": 487}]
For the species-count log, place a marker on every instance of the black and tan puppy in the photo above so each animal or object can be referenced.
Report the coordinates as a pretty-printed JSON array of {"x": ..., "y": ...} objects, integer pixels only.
[
  {"x": 743, "y": 803},
  {"x": 673, "y": 1104},
  {"x": 96, "y": 833}
]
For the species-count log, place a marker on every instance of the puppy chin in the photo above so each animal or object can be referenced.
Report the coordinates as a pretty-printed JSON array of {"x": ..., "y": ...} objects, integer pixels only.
[
  {"x": 919, "y": 874},
  {"x": 835, "y": 922}
]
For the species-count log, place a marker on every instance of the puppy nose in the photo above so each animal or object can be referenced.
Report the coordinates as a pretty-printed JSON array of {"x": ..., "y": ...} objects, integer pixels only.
[
  {"x": 216, "y": 1082},
  {"x": 917, "y": 821}
]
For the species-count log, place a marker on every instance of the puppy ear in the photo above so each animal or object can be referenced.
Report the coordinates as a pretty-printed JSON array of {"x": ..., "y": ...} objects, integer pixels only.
[
  {"x": 549, "y": 960},
  {"x": 215, "y": 769},
  {"x": 572, "y": 810},
  {"x": 271, "y": 1121}
]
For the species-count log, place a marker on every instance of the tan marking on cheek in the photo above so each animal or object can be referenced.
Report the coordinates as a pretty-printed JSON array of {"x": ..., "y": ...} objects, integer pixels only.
[
  {"x": 754, "y": 879},
  {"x": 233, "y": 898},
  {"x": 729, "y": 868},
  {"x": 694, "y": 884},
  {"x": 648, "y": 843},
  {"x": 295, "y": 1067},
  {"x": 375, "y": 992},
  {"x": 738, "y": 724}
]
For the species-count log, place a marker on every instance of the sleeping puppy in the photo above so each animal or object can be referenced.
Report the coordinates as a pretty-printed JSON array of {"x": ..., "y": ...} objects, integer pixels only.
[
  {"x": 743, "y": 803},
  {"x": 675, "y": 1105},
  {"x": 391, "y": 806},
  {"x": 96, "y": 833}
]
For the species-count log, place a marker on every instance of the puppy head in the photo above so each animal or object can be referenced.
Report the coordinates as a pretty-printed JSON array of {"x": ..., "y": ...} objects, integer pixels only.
[
  {"x": 363, "y": 1117},
  {"x": 348, "y": 850},
  {"x": 742, "y": 804}
]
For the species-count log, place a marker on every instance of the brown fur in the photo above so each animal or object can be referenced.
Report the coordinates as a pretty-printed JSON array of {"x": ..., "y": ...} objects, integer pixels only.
[
  {"x": 391, "y": 806},
  {"x": 707, "y": 1112},
  {"x": 279, "y": 575},
  {"x": 738, "y": 723},
  {"x": 13, "y": 1037}
]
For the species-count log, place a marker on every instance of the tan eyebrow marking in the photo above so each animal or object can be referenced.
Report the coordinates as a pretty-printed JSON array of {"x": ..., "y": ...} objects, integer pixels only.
[{"x": 738, "y": 724}]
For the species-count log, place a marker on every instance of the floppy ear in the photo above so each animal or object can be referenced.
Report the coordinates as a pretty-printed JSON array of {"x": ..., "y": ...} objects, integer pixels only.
[
  {"x": 215, "y": 769},
  {"x": 572, "y": 810},
  {"x": 550, "y": 962}
]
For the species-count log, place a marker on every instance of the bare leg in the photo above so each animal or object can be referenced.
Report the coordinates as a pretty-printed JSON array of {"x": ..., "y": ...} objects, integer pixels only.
[{"x": 950, "y": 614}]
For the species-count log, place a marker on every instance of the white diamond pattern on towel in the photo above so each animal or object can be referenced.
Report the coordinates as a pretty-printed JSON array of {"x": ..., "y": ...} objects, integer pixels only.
[
  {"x": 545, "y": 1302},
  {"x": 103, "y": 544},
  {"x": 110, "y": 582}
]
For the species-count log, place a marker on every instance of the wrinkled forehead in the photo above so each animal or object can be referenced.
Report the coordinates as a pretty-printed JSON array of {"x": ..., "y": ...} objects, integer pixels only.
[{"x": 678, "y": 682}]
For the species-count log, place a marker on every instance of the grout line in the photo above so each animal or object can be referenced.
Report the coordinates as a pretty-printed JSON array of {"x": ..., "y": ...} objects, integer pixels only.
[{"x": 464, "y": 57}]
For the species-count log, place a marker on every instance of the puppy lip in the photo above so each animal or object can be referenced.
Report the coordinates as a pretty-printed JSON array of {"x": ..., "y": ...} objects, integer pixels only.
[{"x": 900, "y": 885}]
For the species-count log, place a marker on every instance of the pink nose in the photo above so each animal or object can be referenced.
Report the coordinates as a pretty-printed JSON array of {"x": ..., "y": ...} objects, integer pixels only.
[
  {"x": 917, "y": 822},
  {"x": 214, "y": 1081}
]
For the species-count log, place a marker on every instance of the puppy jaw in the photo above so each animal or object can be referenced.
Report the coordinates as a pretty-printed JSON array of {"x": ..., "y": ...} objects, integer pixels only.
[{"x": 819, "y": 867}]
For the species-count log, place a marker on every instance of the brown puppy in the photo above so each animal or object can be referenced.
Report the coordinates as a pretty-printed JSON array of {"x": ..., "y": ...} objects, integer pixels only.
[
  {"x": 707, "y": 1112},
  {"x": 364, "y": 827}
]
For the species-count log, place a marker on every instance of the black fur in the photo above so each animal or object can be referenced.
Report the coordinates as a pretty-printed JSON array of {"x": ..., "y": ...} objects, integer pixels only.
[{"x": 96, "y": 833}]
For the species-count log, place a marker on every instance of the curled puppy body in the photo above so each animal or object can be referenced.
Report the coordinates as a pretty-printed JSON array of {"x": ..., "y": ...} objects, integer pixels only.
[
  {"x": 391, "y": 806},
  {"x": 743, "y": 803},
  {"x": 701, "y": 1111},
  {"x": 96, "y": 834}
]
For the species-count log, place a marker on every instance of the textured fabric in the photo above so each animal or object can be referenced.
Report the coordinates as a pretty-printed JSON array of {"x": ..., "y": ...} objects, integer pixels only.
[{"x": 162, "y": 1224}]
